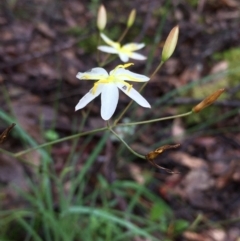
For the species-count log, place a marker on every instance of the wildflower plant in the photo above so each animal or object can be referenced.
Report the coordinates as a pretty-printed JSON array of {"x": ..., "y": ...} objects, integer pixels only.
[{"x": 108, "y": 84}]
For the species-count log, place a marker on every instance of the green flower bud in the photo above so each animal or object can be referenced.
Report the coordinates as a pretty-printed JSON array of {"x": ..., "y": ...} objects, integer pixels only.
[
  {"x": 131, "y": 18},
  {"x": 170, "y": 44},
  {"x": 101, "y": 18}
]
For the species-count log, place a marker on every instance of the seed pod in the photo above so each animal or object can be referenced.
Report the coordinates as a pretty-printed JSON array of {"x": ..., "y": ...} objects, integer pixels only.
[
  {"x": 208, "y": 101},
  {"x": 153, "y": 154}
]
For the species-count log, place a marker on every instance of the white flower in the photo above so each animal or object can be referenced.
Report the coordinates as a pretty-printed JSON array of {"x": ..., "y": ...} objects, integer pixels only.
[
  {"x": 108, "y": 84},
  {"x": 125, "y": 52}
]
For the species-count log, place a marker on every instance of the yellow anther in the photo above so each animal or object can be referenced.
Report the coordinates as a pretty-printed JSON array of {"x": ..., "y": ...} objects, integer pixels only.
[
  {"x": 127, "y": 65},
  {"x": 124, "y": 66}
]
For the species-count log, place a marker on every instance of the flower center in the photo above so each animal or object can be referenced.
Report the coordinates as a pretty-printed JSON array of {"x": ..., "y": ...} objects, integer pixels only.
[
  {"x": 126, "y": 51},
  {"x": 113, "y": 78}
]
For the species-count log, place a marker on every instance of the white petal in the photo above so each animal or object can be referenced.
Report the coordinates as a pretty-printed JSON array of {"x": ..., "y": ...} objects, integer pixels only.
[
  {"x": 89, "y": 97},
  {"x": 93, "y": 74},
  {"x": 124, "y": 74},
  {"x": 109, "y": 99},
  {"x": 109, "y": 41},
  {"x": 107, "y": 49},
  {"x": 123, "y": 57},
  {"x": 133, "y": 94},
  {"x": 133, "y": 46},
  {"x": 137, "y": 56}
]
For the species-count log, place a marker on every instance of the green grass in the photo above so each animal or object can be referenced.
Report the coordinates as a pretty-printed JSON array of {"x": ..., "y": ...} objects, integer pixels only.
[{"x": 77, "y": 214}]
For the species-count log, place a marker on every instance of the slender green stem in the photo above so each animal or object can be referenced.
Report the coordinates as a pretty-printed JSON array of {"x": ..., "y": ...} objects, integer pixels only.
[
  {"x": 155, "y": 120},
  {"x": 7, "y": 99},
  {"x": 107, "y": 60},
  {"x": 157, "y": 69},
  {"x": 123, "y": 34},
  {"x": 196, "y": 222},
  {"x": 127, "y": 107},
  {"x": 60, "y": 140},
  {"x": 13, "y": 155},
  {"x": 98, "y": 52},
  {"x": 128, "y": 147},
  {"x": 216, "y": 224},
  {"x": 75, "y": 141},
  {"x": 140, "y": 90},
  {"x": 123, "y": 112},
  {"x": 99, "y": 130},
  {"x": 104, "y": 62}
]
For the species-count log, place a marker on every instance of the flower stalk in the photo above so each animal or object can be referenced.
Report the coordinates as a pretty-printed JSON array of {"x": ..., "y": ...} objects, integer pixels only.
[
  {"x": 155, "y": 120},
  {"x": 128, "y": 147}
]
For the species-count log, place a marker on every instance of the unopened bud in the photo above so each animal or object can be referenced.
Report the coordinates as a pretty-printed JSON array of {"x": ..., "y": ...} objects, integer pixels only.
[
  {"x": 207, "y": 101},
  {"x": 170, "y": 44},
  {"x": 101, "y": 18},
  {"x": 131, "y": 18}
]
